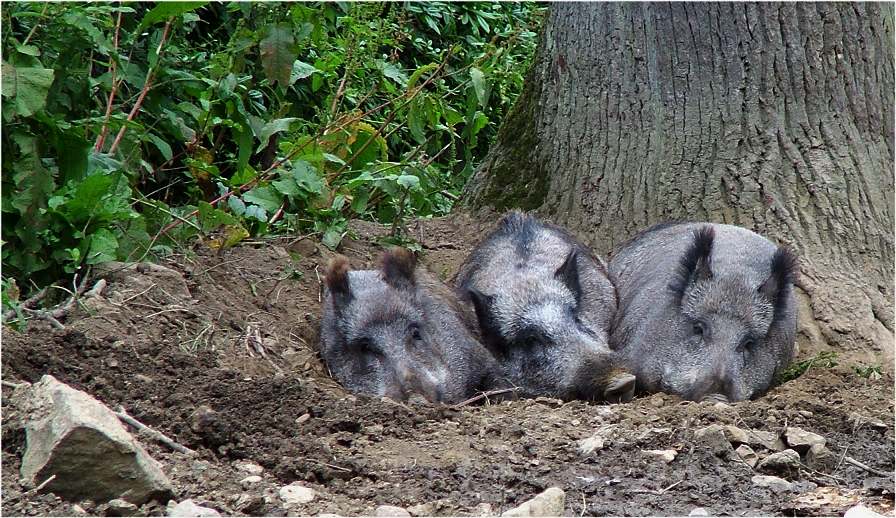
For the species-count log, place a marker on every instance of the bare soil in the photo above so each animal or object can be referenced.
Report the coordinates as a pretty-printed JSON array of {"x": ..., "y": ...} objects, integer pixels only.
[{"x": 218, "y": 350}]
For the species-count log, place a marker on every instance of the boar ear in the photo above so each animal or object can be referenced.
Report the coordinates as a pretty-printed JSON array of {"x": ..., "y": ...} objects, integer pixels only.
[
  {"x": 336, "y": 279},
  {"x": 696, "y": 263},
  {"x": 784, "y": 271},
  {"x": 568, "y": 274},
  {"x": 398, "y": 268},
  {"x": 482, "y": 303}
]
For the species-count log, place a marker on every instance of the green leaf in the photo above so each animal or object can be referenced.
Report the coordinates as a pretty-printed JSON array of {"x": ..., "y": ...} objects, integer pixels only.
[
  {"x": 27, "y": 86},
  {"x": 332, "y": 238},
  {"x": 164, "y": 10},
  {"x": 277, "y": 56},
  {"x": 211, "y": 218},
  {"x": 162, "y": 146},
  {"x": 409, "y": 181},
  {"x": 306, "y": 177},
  {"x": 419, "y": 72},
  {"x": 265, "y": 197},
  {"x": 416, "y": 121},
  {"x": 301, "y": 70},
  {"x": 103, "y": 247},
  {"x": 394, "y": 73},
  {"x": 78, "y": 19},
  {"x": 271, "y": 128},
  {"x": 479, "y": 86}
]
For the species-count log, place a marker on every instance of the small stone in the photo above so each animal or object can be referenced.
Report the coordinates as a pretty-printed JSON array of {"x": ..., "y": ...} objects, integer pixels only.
[
  {"x": 390, "y": 510},
  {"x": 302, "y": 418},
  {"x": 189, "y": 508},
  {"x": 250, "y": 481},
  {"x": 860, "y": 511},
  {"x": 776, "y": 484},
  {"x": 801, "y": 440},
  {"x": 296, "y": 493},
  {"x": 591, "y": 444},
  {"x": 768, "y": 440},
  {"x": 250, "y": 468},
  {"x": 427, "y": 509},
  {"x": 550, "y": 502},
  {"x": 713, "y": 438},
  {"x": 721, "y": 405},
  {"x": 783, "y": 461},
  {"x": 820, "y": 458},
  {"x": 119, "y": 507},
  {"x": 698, "y": 511},
  {"x": 483, "y": 509},
  {"x": 666, "y": 456},
  {"x": 878, "y": 485},
  {"x": 747, "y": 455},
  {"x": 77, "y": 509},
  {"x": 736, "y": 435},
  {"x": 805, "y": 413}
]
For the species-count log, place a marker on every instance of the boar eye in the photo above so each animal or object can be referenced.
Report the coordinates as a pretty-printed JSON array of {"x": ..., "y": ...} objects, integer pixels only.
[
  {"x": 699, "y": 328},
  {"x": 748, "y": 344},
  {"x": 415, "y": 332}
]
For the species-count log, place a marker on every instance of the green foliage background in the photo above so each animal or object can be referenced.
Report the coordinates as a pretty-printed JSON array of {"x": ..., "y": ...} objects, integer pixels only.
[{"x": 238, "y": 119}]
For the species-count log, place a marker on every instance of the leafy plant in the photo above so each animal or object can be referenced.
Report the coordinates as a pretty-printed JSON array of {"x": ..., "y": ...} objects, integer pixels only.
[
  {"x": 824, "y": 360},
  {"x": 130, "y": 129}
]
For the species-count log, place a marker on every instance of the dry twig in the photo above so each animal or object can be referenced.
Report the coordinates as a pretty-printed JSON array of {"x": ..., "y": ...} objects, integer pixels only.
[
  {"x": 484, "y": 395},
  {"x": 155, "y": 434}
]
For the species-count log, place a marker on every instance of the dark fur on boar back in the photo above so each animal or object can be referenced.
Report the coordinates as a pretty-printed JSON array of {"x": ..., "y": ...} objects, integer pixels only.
[
  {"x": 544, "y": 305},
  {"x": 398, "y": 331},
  {"x": 706, "y": 311}
]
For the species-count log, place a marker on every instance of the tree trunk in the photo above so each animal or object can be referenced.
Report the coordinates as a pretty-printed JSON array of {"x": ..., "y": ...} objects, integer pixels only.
[{"x": 775, "y": 117}]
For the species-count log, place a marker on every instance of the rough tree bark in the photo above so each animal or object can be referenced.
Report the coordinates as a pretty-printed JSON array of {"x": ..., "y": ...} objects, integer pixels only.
[{"x": 775, "y": 117}]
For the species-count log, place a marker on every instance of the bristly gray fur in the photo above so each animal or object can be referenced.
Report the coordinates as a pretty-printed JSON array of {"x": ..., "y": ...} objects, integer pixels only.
[
  {"x": 544, "y": 306},
  {"x": 398, "y": 331},
  {"x": 704, "y": 313}
]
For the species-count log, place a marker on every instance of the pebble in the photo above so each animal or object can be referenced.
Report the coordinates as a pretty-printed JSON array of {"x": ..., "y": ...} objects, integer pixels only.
[
  {"x": 698, "y": 511},
  {"x": 747, "y": 455},
  {"x": 188, "y": 508},
  {"x": 776, "y": 484},
  {"x": 550, "y": 502},
  {"x": 77, "y": 509},
  {"x": 302, "y": 418},
  {"x": 119, "y": 507},
  {"x": 860, "y": 511},
  {"x": 736, "y": 435},
  {"x": 802, "y": 440},
  {"x": 666, "y": 456},
  {"x": 390, "y": 510},
  {"x": 781, "y": 461},
  {"x": 483, "y": 509},
  {"x": 251, "y": 480},
  {"x": 250, "y": 467},
  {"x": 768, "y": 440},
  {"x": 820, "y": 458},
  {"x": 591, "y": 444},
  {"x": 713, "y": 439},
  {"x": 296, "y": 493}
]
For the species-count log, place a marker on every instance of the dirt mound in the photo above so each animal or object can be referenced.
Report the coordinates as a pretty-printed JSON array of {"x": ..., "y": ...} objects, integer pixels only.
[{"x": 217, "y": 350}]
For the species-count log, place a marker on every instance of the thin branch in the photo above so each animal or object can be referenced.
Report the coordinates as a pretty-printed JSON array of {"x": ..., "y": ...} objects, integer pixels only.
[
  {"x": 866, "y": 467},
  {"x": 28, "y": 303},
  {"x": 155, "y": 434},
  {"x": 483, "y": 396},
  {"x": 150, "y": 75},
  {"x": 36, "y": 24},
  {"x": 113, "y": 68}
]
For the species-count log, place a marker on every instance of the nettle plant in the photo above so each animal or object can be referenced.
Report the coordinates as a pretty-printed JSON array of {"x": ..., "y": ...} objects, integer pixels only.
[{"x": 130, "y": 130}]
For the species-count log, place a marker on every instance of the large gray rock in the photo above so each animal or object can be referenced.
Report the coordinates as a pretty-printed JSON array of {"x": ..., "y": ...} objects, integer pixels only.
[
  {"x": 73, "y": 436},
  {"x": 550, "y": 502}
]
